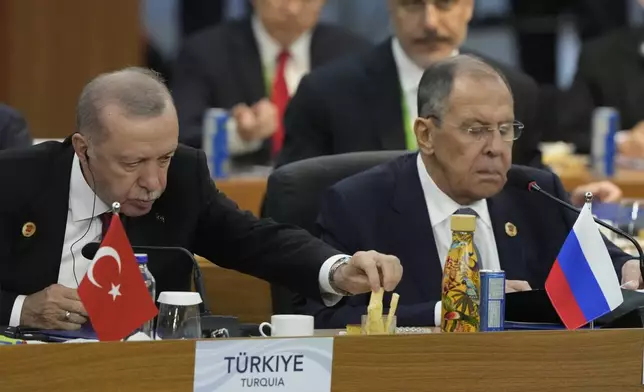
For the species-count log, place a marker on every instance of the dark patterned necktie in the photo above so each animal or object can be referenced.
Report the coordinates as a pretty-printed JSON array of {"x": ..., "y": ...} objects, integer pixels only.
[
  {"x": 469, "y": 211},
  {"x": 106, "y": 219}
]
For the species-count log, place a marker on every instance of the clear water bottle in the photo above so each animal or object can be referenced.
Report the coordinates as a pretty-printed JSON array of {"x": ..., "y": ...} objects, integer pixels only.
[{"x": 142, "y": 260}]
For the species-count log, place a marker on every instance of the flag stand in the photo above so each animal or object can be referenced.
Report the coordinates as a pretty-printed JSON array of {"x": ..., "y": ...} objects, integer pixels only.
[
  {"x": 116, "y": 207},
  {"x": 589, "y": 201}
]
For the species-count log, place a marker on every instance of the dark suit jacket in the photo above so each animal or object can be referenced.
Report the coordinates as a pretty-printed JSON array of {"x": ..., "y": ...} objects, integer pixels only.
[
  {"x": 384, "y": 209},
  {"x": 610, "y": 73},
  {"x": 13, "y": 129},
  {"x": 221, "y": 67},
  {"x": 354, "y": 105},
  {"x": 195, "y": 215}
]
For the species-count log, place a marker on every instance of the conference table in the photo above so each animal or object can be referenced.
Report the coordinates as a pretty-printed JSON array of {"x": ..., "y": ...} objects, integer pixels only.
[{"x": 534, "y": 361}]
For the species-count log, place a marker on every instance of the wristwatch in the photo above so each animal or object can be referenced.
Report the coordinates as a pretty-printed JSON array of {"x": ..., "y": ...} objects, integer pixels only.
[{"x": 334, "y": 267}]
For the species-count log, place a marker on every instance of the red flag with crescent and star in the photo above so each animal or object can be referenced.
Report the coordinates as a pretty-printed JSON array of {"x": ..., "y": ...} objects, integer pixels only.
[{"x": 113, "y": 290}]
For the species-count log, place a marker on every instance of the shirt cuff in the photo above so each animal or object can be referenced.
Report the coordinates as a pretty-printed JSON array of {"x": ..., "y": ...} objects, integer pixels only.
[
  {"x": 16, "y": 311},
  {"x": 238, "y": 146},
  {"x": 330, "y": 297},
  {"x": 437, "y": 314}
]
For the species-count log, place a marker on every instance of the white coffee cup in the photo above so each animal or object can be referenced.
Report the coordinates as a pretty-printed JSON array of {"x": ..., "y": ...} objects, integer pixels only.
[{"x": 288, "y": 325}]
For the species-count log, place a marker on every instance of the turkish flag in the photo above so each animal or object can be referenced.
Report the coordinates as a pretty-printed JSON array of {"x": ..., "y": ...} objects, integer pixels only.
[{"x": 113, "y": 290}]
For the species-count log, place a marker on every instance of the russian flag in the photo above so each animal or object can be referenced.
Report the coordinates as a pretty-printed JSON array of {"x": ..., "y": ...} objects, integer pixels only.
[{"x": 582, "y": 284}]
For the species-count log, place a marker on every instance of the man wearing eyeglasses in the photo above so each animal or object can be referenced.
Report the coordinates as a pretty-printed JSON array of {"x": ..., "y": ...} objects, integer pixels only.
[
  {"x": 465, "y": 131},
  {"x": 367, "y": 102}
]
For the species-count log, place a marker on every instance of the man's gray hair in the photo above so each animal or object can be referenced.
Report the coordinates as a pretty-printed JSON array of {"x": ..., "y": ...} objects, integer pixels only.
[
  {"x": 139, "y": 92},
  {"x": 438, "y": 79}
]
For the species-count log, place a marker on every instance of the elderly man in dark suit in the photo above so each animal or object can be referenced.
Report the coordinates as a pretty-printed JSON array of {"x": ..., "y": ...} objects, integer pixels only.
[
  {"x": 253, "y": 66},
  {"x": 465, "y": 131},
  {"x": 126, "y": 149},
  {"x": 13, "y": 129}
]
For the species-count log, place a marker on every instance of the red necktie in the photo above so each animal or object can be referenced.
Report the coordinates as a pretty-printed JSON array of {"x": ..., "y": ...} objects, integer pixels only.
[
  {"x": 280, "y": 98},
  {"x": 106, "y": 219}
]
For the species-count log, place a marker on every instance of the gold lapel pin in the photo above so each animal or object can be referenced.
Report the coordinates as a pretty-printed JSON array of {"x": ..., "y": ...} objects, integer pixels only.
[
  {"x": 510, "y": 229},
  {"x": 28, "y": 229}
]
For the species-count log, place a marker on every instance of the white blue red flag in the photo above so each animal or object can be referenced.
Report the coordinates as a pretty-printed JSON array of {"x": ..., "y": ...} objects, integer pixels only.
[{"x": 582, "y": 284}]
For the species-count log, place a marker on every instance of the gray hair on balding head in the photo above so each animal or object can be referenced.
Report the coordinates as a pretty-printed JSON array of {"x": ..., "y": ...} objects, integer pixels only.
[
  {"x": 139, "y": 92},
  {"x": 438, "y": 79}
]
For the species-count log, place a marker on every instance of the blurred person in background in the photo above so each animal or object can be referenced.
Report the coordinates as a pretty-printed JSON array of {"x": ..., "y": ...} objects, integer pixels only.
[
  {"x": 14, "y": 132},
  {"x": 367, "y": 102},
  {"x": 252, "y": 67},
  {"x": 537, "y": 25},
  {"x": 610, "y": 73}
]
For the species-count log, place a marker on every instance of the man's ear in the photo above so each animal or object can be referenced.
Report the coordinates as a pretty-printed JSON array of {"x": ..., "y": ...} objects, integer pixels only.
[
  {"x": 81, "y": 146},
  {"x": 424, "y": 129},
  {"x": 469, "y": 9}
]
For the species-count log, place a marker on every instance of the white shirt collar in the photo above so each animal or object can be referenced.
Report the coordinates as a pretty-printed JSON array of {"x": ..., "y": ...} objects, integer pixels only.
[
  {"x": 269, "y": 49},
  {"x": 439, "y": 205},
  {"x": 81, "y": 196},
  {"x": 409, "y": 74}
]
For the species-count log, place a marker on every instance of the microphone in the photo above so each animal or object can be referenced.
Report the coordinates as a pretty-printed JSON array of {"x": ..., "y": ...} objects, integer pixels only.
[
  {"x": 90, "y": 249},
  {"x": 518, "y": 178}
]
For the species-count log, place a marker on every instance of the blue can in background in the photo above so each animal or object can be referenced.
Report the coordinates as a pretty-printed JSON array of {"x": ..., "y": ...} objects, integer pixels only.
[
  {"x": 492, "y": 307},
  {"x": 216, "y": 125},
  {"x": 605, "y": 125}
]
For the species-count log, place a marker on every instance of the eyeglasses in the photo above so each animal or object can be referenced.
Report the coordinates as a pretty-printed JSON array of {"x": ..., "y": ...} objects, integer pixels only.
[
  {"x": 508, "y": 131},
  {"x": 412, "y": 6}
]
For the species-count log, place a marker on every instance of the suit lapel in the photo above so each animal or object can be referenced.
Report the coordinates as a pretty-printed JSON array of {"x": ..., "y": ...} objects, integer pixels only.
[
  {"x": 245, "y": 58},
  {"x": 413, "y": 236},
  {"x": 511, "y": 251},
  {"x": 383, "y": 97},
  {"x": 48, "y": 213}
]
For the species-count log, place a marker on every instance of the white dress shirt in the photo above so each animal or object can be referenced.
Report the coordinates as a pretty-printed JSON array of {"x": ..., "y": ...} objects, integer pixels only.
[
  {"x": 297, "y": 65},
  {"x": 84, "y": 226},
  {"x": 409, "y": 75},
  {"x": 440, "y": 208}
]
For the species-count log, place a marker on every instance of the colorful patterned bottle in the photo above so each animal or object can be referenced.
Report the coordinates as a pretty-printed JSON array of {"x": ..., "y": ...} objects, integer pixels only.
[{"x": 461, "y": 280}]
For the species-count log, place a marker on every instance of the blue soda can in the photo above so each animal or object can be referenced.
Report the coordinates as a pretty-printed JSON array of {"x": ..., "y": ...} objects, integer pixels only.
[
  {"x": 492, "y": 308},
  {"x": 605, "y": 125},
  {"x": 216, "y": 125}
]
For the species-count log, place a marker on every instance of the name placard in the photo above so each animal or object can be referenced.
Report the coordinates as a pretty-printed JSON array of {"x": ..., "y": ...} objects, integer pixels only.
[{"x": 288, "y": 365}]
